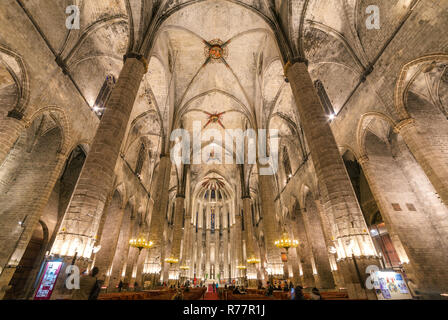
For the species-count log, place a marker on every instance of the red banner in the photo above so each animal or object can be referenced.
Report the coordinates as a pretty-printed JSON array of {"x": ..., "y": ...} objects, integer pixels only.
[{"x": 48, "y": 280}]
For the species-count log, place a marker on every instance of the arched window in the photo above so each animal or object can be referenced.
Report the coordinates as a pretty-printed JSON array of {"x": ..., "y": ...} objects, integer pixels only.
[
  {"x": 324, "y": 99},
  {"x": 140, "y": 160},
  {"x": 183, "y": 219},
  {"x": 286, "y": 164},
  {"x": 212, "y": 220},
  {"x": 197, "y": 221},
  {"x": 171, "y": 222},
  {"x": 253, "y": 214},
  {"x": 103, "y": 96}
]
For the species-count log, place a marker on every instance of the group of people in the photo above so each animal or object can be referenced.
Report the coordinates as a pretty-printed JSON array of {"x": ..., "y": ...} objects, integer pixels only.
[
  {"x": 90, "y": 288},
  {"x": 296, "y": 292}
]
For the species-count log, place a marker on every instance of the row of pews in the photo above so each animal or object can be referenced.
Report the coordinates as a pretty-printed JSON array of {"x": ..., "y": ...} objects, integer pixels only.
[
  {"x": 198, "y": 294},
  {"x": 256, "y": 294},
  {"x": 162, "y": 294}
]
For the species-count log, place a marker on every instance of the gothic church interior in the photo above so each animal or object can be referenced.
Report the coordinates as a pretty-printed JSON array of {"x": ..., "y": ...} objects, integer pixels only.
[{"x": 353, "y": 185}]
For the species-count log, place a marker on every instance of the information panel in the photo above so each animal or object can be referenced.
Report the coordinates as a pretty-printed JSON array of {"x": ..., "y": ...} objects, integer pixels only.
[
  {"x": 390, "y": 285},
  {"x": 48, "y": 280}
]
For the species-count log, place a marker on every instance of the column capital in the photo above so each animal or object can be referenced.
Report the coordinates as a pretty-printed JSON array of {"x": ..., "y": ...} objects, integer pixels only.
[
  {"x": 139, "y": 57},
  {"x": 293, "y": 61},
  {"x": 403, "y": 124}
]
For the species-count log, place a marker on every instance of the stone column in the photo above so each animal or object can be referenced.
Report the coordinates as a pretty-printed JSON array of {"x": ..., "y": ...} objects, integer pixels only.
[
  {"x": 303, "y": 251},
  {"x": 216, "y": 255},
  {"x": 177, "y": 232},
  {"x": 108, "y": 242},
  {"x": 416, "y": 241},
  {"x": 238, "y": 245},
  {"x": 161, "y": 197},
  {"x": 208, "y": 239},
  {"x": 95, "y": 182},
  {"x": 248, "y": 228},
  {"x": 140, "y": 267},
  {"x": 187, "y": 249},
  {"x": 249, "y": 239},
  {"x": 200, "y": 251},
  {"x": 269, "y": 222},
  {"x": 316, "y": 240},
  {"x": 294, "y": 259},
  {"x": 326, "y": 228},
  {"x": 131, "y": 264},
  {"x": 433, "y": 162},
  {"x": 338, "y": 197},
  {"x": 225, "y": 235}
]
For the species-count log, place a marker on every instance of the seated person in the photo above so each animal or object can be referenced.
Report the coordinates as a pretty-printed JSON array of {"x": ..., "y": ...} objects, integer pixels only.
[
  {"x": 269, "y": 291},
  {"x": 236, "y": 290}
]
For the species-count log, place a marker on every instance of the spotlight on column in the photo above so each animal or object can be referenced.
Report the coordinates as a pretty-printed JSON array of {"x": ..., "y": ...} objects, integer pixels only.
[{"x": 332, "y": 116}]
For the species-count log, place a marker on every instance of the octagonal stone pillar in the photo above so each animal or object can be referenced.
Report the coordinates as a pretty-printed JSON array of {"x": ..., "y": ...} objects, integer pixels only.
[{"x": 350, "y": 232}]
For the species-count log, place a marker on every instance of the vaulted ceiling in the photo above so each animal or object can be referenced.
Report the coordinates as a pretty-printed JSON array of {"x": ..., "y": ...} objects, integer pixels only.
[{"x": 218, "y": 62}]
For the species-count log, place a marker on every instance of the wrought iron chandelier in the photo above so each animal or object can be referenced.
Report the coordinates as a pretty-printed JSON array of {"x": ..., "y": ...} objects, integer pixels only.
[
  {"x": 140, "y": 243},
  {"x": 172, "y": 260},
  {"x": 253, "y": 260},
  {"x": 285, "y": 242}
]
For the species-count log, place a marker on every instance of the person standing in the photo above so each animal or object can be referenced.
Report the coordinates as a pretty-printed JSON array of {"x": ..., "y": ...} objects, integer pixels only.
[
  {"x": 298, "y": 293},
  {"x": 89, "y": 287},
  {"x": 315, "y": 294}
]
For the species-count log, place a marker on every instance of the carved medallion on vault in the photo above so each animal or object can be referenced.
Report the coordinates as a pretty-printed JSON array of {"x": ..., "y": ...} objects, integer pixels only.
[{"x": 215, "y": 50}]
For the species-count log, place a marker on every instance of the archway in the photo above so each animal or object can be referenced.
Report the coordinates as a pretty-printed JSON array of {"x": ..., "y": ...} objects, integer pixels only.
[
  {"x": 24, "y": 270},
  {"x": 25, "y": 174}
]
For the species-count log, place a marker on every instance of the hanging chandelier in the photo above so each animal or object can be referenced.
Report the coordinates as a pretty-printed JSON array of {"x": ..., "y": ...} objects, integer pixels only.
[
  {"x": 172, "y": 260},
  {"x": 184, "y": 267},
  {"x": 253, "y": 260},
  {"x": 140, "y": 243},
  {"x": 285, "y": 242},
  {"x": 241, "y": 267}
]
